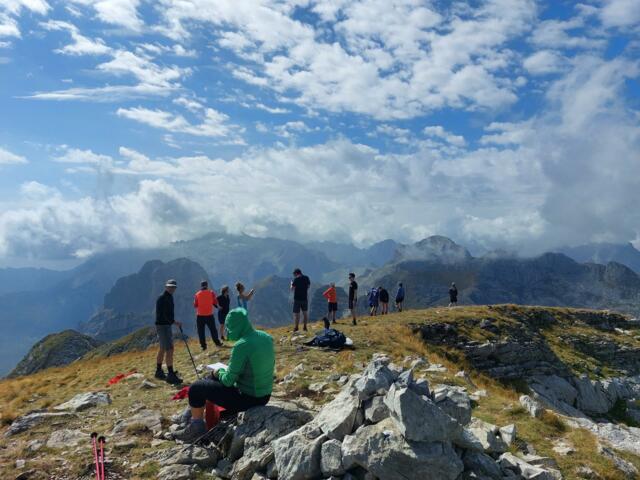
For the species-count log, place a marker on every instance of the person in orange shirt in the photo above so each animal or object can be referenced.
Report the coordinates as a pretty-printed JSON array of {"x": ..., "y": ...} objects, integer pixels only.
[
  {"x": 204, "y": 301},
  {"x": 332, "y": 301}
]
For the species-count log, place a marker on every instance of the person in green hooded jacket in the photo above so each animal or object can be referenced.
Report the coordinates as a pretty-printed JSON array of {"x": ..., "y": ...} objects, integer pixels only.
[{"x": 246, "y": 382}]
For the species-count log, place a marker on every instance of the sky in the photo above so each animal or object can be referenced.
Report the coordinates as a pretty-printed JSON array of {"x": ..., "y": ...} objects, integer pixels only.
[{"x": 503, "y": 124}]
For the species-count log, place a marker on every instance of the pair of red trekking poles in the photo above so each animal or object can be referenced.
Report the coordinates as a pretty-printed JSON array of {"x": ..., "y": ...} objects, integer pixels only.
[{"x": 98, "y": 455}]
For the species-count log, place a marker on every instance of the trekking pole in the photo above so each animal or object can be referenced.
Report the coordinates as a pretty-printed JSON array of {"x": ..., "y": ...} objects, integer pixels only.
[
  {"x": 94, "y": 435},
  {"x": 101, "y": 441},
  {"x": 189, "y": 350}
]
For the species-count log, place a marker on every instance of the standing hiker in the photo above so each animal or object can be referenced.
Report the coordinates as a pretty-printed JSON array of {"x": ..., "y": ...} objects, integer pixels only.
[
  {"x": 300, "y": 286},
  {"x": 373, "y": 301},
  {"x": 353, "y": 297},
  {"x": 453, "y": 295},
  {"x": 246, "y": 382},
  {"x": 332, "y": 301},
  {"x": 223, "y": 308},
  {"x": 164, "y": 321},
  {"x": 203, "y": 301},
  {"x": 399, "y": 297},
  {"x": 243, "y": 298},
  {"x": 384, "y": 300}
]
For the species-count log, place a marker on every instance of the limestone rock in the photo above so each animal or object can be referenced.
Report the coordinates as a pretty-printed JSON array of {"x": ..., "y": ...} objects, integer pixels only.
[
  {"x": 84, "y": 401},
  {"x": 32, "y": 419},
  {"x": 177, "y": 472},
  {"x": 189, "y": 455},
  {"x": 482, "y": 464},
  {"x": 453, "y": 401},
  {"x": 418, "y": 418},
  {"x": 247, "y": 465},
  {"x": 564, "y": 448},
  {"x": 338, "y": 417},
  {"x": 331, "y": 458},
  {"x": 66, "y": 438},
  {"x": 625, "y": 467},
  {"x": 382, "y": 450},
  {"x": 508, "y": 434},
  {"x": 375, "y": 410},
  {"x": 377, "y": 377},
  {"x": 554, "y": 387},
  {"x": 486, "y": 434},
  {"x": 592, "y": 398},
  {"x": 532, "y": 406},
  {"x": 147, "y": 385},
  {"x": 297, "y": 454},
  {"x": 151, "y": 419}
]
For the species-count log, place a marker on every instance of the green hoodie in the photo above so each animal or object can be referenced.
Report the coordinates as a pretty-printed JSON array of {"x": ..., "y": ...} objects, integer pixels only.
[{"x": 252, "y": 357}]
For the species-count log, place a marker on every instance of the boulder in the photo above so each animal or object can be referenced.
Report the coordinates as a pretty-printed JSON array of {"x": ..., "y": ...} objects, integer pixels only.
[
  {"x": 508, "y": 434},
  {"x": 32, "y": 419},
  {"x": 382, "y": 450},
  {"x": 532, "y": 406},
  {"x": 84, "y": 401},
  {"x": 177, "y": 472},
  {"x": 258, "y": 426},
  {"x": 482, "y": 464},
  {"x": 297, "y": 455},
  {"x": 453, "y": 401},
  {"x": 377, "y": 377},
  {"x": 150, "y": 419},
  {"x": 338, "y": 417},
  {"x": 418, "y": 418},
  {"x": 487, "y": 435},
  {"x": 624, "y": 466},
  {"x": 331, "y": 458},
  {"x": 189, "y": 455},
  {"x": 65, "y": 438},
  {"x": 554, "y": 387},
  {"x": 592, "y": 398},
  {"x": 375, "y": 410},
  {"x": 247, "y": 465}
]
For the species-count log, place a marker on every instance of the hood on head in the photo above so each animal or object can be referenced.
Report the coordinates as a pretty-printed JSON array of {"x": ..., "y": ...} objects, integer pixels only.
[{"x": 237, "y": 323}]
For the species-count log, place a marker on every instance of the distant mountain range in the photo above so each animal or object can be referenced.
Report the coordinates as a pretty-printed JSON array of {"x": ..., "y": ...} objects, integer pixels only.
[{"x": 112, "y": 294}]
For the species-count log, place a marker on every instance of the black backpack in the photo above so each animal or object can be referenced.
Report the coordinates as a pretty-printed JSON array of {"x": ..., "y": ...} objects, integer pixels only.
[{"x": 328, "y": 338}]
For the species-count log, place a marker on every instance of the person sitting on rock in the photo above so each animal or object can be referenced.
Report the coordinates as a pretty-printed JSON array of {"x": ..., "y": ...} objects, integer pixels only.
[{"x": 247, "y": 381}]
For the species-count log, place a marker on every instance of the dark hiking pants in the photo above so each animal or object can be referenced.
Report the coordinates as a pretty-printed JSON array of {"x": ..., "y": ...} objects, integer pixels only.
[
  {"x": 230, "y": 398},
  {"x": 209, "y": 322}
]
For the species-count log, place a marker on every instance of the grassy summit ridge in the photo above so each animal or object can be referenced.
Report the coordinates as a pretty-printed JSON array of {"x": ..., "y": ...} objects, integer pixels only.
[{"x": 393, "y": 334}]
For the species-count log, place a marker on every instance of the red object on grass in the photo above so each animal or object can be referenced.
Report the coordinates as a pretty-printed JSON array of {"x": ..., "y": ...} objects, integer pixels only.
[
  {"x": 183, "y": 393},
  {"x": 212, "y": 414},
  {"x": 120, "y": 376}
]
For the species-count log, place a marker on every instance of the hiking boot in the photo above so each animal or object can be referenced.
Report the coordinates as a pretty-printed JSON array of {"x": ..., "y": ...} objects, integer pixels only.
[
  {"x": 203, "y": 347},
  {"x": 173, "y": 378},
  {"x": 160, "y": 375},
  {"x": 183, "y": 418},
  {"x": 219, "y": 344},
  {"x": 191, "y": 433},
  {"x": 354, "y": 322}
]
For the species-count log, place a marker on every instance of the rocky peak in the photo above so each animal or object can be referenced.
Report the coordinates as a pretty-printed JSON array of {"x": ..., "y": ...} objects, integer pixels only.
[{"x": 435, "y": 248}]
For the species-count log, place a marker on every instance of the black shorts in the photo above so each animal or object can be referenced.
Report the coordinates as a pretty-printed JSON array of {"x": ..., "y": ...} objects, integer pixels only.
[
  {"x": 333, "y": 307},
  {"x": 399, "y": 299},
  {"x": 222, "y": 315},
  {"x": 352, "y": 303},
  {"x": 300, "y": 305}
]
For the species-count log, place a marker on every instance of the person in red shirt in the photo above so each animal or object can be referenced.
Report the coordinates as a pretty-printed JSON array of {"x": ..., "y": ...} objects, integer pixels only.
[
  {"x": 332, "y": 301},
  {"x": 204, "y": 301}
]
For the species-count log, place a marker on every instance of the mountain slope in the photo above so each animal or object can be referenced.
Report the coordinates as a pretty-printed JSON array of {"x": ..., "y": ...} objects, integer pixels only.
[
  {"x": 307, "y": 378},
  {"x": 130, "y": 304},
  {"x": 603, "y": 253},
  {"x": 55, "y": 350}
]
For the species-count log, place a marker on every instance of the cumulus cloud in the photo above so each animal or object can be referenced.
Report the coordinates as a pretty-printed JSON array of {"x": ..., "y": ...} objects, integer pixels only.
[
  {"x": 621, "y": 13},
  {"x": 543, "y": 62},
  {"x": 7, "y": 158},
  {"x": 10, "y": 10},
  {"x": 123, "y": 13},
  {"x": 214, "y": 123},
  {"x": 81, "y": 45},
  {"x": 439, "y": 131}
]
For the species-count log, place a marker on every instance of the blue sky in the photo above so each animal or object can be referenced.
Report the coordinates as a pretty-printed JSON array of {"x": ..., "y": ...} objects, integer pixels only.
[{"x": 500, "y": 123}]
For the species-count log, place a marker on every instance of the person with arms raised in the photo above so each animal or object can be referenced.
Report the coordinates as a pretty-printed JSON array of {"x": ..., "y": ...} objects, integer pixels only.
[{"x": 245, "y": 383}]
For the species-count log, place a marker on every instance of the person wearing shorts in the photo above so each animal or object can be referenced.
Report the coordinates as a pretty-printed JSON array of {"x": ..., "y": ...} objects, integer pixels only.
[
  {"x": 164, "y": 323},
  {"x": 332, "y": 301},
  {"x": 353, "y": 297},
  {"x": 300, "y": 286}
]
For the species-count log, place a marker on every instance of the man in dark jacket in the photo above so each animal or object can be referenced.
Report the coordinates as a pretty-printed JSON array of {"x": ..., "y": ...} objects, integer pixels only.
[
  {"x": 164, "y": 321},
  {"x": 453, "y": 295}
]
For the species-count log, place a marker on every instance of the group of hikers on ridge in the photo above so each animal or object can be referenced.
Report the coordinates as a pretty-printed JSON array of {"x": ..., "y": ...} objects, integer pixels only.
[{"x": 248, "y": 379}]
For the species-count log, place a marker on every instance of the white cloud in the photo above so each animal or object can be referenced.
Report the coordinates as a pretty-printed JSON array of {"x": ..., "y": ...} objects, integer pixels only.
[
  {"x": 10, "y": 9},
  {"x": 81, "y": 45},
  {"x": 416, "y": 60},
  {"x": 8, "y": 158},
  {"x": 274, "y": 110},
  {"x": 544, "y": 62},
  {"x": 439, "y": 131},
  {"x": 291, "y": 129},
  {"x": 621, "y": 13},
  {"x": 399, "y": 135},
  {"x": 123, "y": 13},
  {"x": 214, "y": 123}
]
